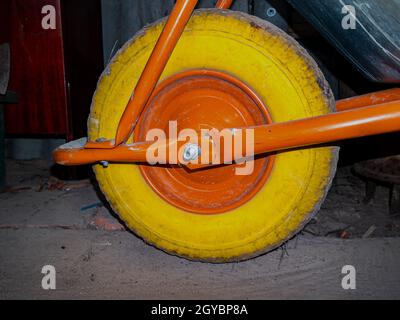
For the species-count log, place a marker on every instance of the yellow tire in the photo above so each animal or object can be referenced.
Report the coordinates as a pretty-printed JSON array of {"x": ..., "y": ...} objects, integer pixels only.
[{"x": 287, "y": 80}]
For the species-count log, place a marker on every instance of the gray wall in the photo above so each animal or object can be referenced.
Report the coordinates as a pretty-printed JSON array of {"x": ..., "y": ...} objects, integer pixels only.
[{"x": 123, "y": 18}]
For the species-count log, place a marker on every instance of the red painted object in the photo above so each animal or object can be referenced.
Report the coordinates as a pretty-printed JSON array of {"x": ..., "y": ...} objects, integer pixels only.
[
  {"x": 37, "y": 71},
  {"x": 54, "y": 71}
]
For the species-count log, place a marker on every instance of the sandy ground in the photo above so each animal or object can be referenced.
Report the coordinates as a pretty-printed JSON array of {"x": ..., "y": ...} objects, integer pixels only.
[{"x": 46, "y": 221}]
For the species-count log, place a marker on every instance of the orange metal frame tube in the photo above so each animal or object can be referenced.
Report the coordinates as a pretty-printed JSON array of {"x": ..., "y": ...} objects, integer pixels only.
[
  {"x": 138, "y": 152},
  {"x": 360, "y": 122},
  {"x": 224, "y": 4},
  {"x": 151, "y": 74},
  {"x": 368, "y": 99},
  {"x": 162, "y": 51},
  {"x": 337, "y": 126},
  {"x": 165, "y": 45},
  {"x": 348, "y": 124}
]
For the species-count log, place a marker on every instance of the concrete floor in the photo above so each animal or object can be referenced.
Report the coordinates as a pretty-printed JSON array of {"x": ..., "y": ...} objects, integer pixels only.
[{"x": 47, "y": 222}]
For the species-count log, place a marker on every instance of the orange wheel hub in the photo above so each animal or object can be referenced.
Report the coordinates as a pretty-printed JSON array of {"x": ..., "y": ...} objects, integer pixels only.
[{"x": 204, "y": 99}]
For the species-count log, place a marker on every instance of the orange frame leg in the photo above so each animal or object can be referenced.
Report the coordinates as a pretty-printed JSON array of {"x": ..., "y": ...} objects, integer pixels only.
[
  {"x": 369, "y": 99},
  {"x": 224, "y": 4},
  {"x": 162, "y": 51}
]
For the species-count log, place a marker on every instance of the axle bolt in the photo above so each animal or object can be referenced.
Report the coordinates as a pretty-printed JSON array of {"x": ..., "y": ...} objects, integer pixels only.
[
  {"x": 104, "y": 164},
  {"x": 191, "y": 152}
]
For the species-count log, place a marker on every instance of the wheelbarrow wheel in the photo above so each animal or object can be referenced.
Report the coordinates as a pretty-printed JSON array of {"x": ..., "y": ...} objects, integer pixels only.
[{"x": 228, "y": 69}]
